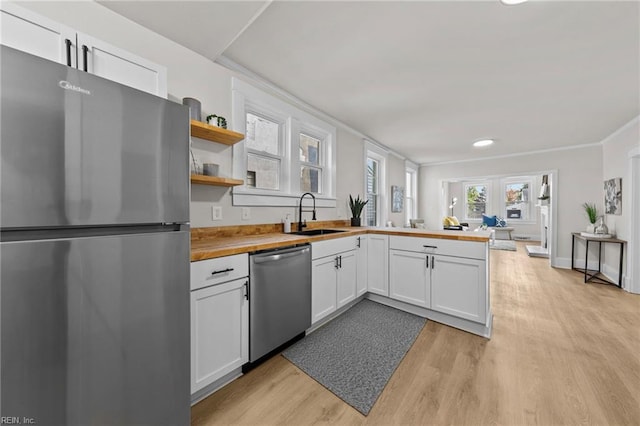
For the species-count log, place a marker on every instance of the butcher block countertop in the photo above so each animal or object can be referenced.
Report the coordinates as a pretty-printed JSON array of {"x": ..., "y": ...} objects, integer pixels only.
[{"x": 209, "y": 243}]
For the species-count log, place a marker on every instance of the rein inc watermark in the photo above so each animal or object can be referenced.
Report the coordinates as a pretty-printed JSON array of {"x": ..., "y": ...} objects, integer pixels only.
[{"x": 17, "y": 420}]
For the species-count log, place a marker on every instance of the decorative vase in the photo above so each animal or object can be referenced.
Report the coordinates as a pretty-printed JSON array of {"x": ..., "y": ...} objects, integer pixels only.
[
  {"x": 591, "y": 228},
  {"x": 355, "y": 221},
  {"x": 601, "y": 228}
]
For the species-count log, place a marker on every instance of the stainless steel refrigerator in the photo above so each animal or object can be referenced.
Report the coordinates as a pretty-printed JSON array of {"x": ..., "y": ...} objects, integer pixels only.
[{"x": 94, "y": 249}]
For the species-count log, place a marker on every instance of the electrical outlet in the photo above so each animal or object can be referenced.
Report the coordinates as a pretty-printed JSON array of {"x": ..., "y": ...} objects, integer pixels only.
[
  {"x": 216, "y": 213},
  {"x": 246, "y": 213}
]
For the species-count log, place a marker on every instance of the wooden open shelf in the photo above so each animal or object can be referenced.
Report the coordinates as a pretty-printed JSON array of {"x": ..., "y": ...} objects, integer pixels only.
[
  {"x": 214, "y": 134},
  {"x": 215, "y": 180}
]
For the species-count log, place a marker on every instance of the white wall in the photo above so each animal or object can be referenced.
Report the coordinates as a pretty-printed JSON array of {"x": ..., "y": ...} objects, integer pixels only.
[
  {"x": 192, "y": 75},
  {"x": 616, "y": 164},
  {"x": 579, "y": 180}
]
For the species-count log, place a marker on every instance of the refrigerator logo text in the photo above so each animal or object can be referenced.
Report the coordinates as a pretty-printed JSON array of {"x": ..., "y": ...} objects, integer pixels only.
[{"x": 68, "y": 86}]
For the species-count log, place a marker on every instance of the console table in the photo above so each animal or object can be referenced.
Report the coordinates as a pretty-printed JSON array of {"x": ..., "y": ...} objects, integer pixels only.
[{"x": 590, "y": 274}]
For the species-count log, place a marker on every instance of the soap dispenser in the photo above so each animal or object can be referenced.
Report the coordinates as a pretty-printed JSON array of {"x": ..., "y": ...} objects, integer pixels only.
[{"x": 287, "y": 224}]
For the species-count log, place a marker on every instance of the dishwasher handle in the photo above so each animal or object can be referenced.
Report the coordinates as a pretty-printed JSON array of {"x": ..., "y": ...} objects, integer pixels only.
[{"x": 266, "y": 257}]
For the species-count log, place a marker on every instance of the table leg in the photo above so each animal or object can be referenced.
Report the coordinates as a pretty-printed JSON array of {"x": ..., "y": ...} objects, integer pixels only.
[
  {"x": 586, "y": 259},
  {"x": 620, "y": 269},
  {"x": 599, "y": 256},
  {"x": 573, "y": 243}
]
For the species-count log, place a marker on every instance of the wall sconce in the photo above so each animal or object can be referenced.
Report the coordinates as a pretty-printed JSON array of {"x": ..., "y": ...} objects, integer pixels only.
[{"x": 454, "y": 200}]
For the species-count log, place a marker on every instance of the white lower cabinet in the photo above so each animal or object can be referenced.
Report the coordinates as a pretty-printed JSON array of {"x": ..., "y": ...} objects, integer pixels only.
[
  {"x": 219, "y": 331},
  {"x": 324, "y": 287},
  {"x": 361, "y": 265},
  {"x": 458, "y": 287},
  {"x": 378, "y": 263},
  {"x": 450, "y": 284},
  {"x": 410, "y": 277},
  {"x": 219, "y": 318},
  {"x": 346, "y": 278},
  {"x": 333, "y": 283},
  {"x": 334, "y": 271}
]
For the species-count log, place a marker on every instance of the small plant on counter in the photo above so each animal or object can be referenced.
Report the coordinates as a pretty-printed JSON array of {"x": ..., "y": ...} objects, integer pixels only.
[{"x": 356, "y": 205}]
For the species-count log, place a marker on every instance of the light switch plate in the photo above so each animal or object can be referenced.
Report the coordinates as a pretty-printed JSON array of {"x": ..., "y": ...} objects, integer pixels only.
[
  {"x": 216, "y": 213},
  {"x": 246, "y": 213}
]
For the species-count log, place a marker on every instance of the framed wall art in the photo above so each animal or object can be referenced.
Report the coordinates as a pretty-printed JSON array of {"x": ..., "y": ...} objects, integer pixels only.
[
  {"x": 397, "y": 199},
  {"x": 613, "y": 196}
]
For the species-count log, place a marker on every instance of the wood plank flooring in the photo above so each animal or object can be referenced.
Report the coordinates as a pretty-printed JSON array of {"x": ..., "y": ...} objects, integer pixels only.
[{"x": 562, "y": 353}]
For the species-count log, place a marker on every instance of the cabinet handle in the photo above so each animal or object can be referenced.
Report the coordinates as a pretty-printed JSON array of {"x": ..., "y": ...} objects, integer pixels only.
[
  {"x": 68, "y": 43},
  {"x": 427, "y": 262},
  {"x": 222, "y": 271},
  {"x": 340, "y": 261},
  {"x": 336, "y": 263},
  {"x": 433, "y": 247},
  {"x": 85, "y": 49},
  {"x": 433, "y": 263},
  {"x": 246, "y": 290}
]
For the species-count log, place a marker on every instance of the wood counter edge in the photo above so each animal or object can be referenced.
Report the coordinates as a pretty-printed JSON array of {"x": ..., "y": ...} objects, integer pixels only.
[{"x": 204, "y": 253}]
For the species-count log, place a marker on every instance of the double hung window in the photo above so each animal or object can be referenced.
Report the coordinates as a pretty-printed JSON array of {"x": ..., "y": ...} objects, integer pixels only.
[
  {"x": 286, "y": 151},
  {"x": 517, "y": 199},
  {"x": 476, "y": 200}
]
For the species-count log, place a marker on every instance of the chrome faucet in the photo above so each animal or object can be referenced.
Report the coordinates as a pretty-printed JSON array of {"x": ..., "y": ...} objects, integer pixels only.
[{"x": 300, "y": 210}]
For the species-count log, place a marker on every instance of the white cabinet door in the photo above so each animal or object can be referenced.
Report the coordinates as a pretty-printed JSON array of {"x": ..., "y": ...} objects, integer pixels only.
[
  {"x": 347, "y": 278},
  {"x": 107, "y": 61},
  {"x": 323, "y": 287},
  {"x": 219, "y": 331},
  {"x": 378, "y": 261},
  {"x": 24, "y": 30},
  {"x": 35, "y": 34},
  {"x": 458, "y": 287},
  {"x": 361, "y": 265},
  {"x": 409, "y": 277}
]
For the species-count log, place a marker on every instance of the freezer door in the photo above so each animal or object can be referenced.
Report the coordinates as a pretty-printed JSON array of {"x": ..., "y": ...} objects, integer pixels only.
[
  {"x": 95, "y": 331},
  {"x": 79, "y": 150}
]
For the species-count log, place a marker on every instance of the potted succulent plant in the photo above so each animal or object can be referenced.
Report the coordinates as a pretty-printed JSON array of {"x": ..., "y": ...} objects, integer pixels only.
[
  {"x": 592, "y": 214},
  {"x": 356, "y": 205}
]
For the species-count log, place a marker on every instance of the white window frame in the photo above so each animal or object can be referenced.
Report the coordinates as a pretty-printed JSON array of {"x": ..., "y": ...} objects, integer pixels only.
[
  {"x": 246, "y": 98},
  {"x": 411, "y": 199},
  {"x": 530, "y": 180},
  {"x": 487, "y": 203},
  {"x": 380, "y": 155}
]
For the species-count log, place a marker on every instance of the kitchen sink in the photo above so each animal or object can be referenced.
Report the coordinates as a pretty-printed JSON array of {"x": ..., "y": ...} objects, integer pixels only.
[{"x": 317, "y": 232}]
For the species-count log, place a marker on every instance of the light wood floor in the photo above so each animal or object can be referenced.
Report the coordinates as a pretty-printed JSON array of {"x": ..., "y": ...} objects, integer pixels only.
[{"x": 562, "y": 352}]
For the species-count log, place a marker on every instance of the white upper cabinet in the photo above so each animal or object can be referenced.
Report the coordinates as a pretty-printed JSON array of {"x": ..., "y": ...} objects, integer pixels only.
[
  {"x": 102, "y": 59},
  {"x": 31, "y": 33},
  {"x": 39, "y": 36}
]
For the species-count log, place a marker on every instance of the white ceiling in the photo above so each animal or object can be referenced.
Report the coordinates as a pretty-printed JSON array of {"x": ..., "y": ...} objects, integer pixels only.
[{"x": 428, "y": 78}]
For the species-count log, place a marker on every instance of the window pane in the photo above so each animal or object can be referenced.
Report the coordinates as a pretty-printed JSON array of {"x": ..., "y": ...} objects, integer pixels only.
[
  {"x": 372, "y": 210},
  {"x": 409, "y": 186},
  {"x": 262, "y": 134},
  {"x": 372, "y": 192},
  {"x": 517, "y": 200},
  {"x": 263, "y": 173},
  {"x": 476, "y": 201},
  {"x": 309, "y": 149},
  {"x": 310, "y": 179},
  {"x": 372, "y": 176}
]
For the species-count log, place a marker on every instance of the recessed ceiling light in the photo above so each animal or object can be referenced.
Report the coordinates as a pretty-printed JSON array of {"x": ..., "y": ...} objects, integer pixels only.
[
  {"x": 512, "y": 2},
  {"x": 484, "y": 142}
]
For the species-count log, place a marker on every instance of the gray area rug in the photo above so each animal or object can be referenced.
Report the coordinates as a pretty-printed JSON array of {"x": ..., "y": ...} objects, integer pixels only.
[
  {"x": 355, "y": 354},
  {"x": 503, "y": 245}
]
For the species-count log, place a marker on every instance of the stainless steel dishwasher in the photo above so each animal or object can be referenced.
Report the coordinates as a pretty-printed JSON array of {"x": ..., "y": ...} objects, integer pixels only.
[{"x": 280, "y": 294}]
